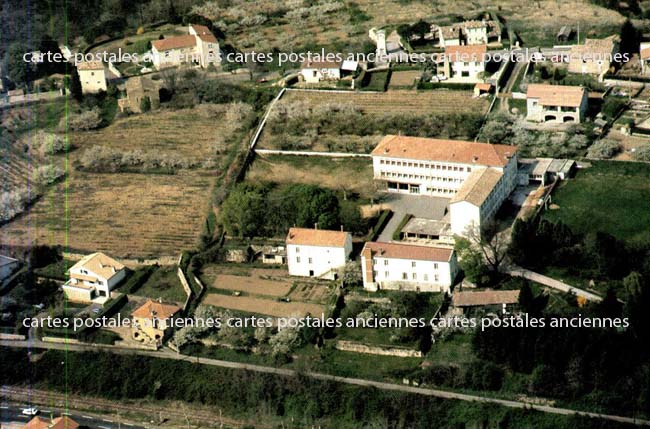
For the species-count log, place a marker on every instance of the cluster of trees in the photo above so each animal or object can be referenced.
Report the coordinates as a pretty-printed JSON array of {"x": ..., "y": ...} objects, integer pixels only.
[
  {"x": 275, "y": 343},
  {"x": 341, "y": 119},
  {"x": 82, "y": 121},
  {"x": 46, "y": 143},
  {"x": 302, "y": 400},
  {"x": 267, "y": 210},
  {"x": 103, "y": 159},
  {"x": 604, "y": 149},
  {"x": 502, "y": 129},
  {"x": 542, "y": 243}
]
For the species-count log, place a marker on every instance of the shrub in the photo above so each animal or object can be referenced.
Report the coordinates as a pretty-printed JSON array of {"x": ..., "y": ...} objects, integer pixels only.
[
  {"x": 48, "y": 143},
  {"x": 642, "y": 154},
  {"x": 603, "y": 149},
  {"x": 84, "y": 121},
  {"x": 13, "y": 202},
  {"x": 47, "y": 174}
]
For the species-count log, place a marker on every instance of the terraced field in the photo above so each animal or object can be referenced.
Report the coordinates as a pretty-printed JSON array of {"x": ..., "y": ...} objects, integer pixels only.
[
  {"x": 125, "y": 215},
  {"x": 129, "y": 215},
  {"x": 399, "y": 101}
]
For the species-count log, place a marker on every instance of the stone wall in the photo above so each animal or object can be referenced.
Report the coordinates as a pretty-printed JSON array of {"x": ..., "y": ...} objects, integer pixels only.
[{"x": 351, "y": 346}]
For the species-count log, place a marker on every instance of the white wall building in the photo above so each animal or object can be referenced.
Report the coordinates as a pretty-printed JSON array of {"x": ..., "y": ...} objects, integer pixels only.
[
  {"x": 198, "y": 47},
  {"x": 397, "y": 266},
  {"x": 464, "y": 64},
  {"x": 316, "y": 71},
  {"x": 92, "y": 75},
  {"x": 317, "y": 252},
  {"x": 556, "y": 103},
  {"x": 93, "y": 278}
]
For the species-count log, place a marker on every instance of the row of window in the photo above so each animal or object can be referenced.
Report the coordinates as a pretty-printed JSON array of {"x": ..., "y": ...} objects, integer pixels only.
[
  {"x": 420, "y": 177},
  {"x": 424, "y": 165},
  {"x": 413, "y": 263},
  {"x": 405, "y": 276}
]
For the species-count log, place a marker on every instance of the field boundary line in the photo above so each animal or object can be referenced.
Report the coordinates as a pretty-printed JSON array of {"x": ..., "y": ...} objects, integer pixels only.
[{"x": 308, "y": 153}]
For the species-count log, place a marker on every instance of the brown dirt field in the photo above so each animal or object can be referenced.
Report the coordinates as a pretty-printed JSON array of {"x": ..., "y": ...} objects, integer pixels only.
[
  {"x": 253, "y": 285},
  {"x": 405, "y": 102},
  {"x": 183, "y": 133},
  {"x": 263, "y": 306},
  {"x": 403, "y": 78},
  {"x": 310, "y": 293},
  {"x": 352, "y": 174},
  {"x": 125, "y": 215}
]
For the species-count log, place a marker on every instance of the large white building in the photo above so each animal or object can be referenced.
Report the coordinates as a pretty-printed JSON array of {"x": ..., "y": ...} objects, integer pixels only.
[
  {"x": 477, "y": 177},
  {"x": 464, "y": 64},
  {"x": 93, "y": 278},
  {"x": 397, "y": 266},
  {"x": 198, "y": 47},
  {"x": 317, "y": 252},
  {"x": 556, "y": 103}
]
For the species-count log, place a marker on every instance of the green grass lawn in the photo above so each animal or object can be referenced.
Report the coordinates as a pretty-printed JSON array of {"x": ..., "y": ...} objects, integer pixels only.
[
  {"x": 609, "y": 196},
  {"x": 456, "y": 349},
  {"x": 164, "y": 284}
]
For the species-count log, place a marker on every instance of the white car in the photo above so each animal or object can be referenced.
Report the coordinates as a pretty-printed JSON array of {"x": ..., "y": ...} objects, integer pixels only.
[{"x": 30, "y": 411}]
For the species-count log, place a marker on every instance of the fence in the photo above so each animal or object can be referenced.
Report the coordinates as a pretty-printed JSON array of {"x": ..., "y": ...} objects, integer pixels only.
[{"x": 308, "y": 153}]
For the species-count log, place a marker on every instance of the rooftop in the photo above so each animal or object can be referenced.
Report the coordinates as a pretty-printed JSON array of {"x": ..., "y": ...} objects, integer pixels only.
[
  {"x": 478, "y": 185},
  {"x": 407, "y": 251},
  {"x": 466, "y": 52},
  {"x": 485, "y": 297},
  {"x": 6, "y": 260},
  {"x": 458, "y": 151},
  {"x": 99, "y": 264},
  {"x": 316, "y": 237},
  {"x": 556, "y": 95},
  {"x": 174, "y": 42},
  {"x": 90, "y": 65},
  {"x": 151, "y": 309},
  {"x": 320, "y": 65},
  {"x": 421, "y": 226}
]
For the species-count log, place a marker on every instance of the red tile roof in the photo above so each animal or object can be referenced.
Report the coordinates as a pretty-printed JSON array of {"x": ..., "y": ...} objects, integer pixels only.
[
  {"x": 320, "y": 65},
  {"x": 645, "y": 53},
  {"x": 64, "y": 422},
  {"x": 556, "y": 95},
  {"x": 466, "y": 53},
  {"x": 151, "y": 309},
  {"x": 458, "y": 151},
  {"x": 408, "y": 251},
  {"x": 90, "y": 65},
  {"x": 37, "y": 423},
  {"x": 316, "y": 237},
  {"x": 174, "y": 42}
]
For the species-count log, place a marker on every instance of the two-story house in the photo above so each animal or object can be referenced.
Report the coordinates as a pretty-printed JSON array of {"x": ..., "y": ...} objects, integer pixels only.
[
  {"x": 152, "y": 321},
  {"x": 93, "y": 278},
  {"x": 92, "y": 75},
  {"x": 556, "y": 103},
  {"x": 198, "y": 47},
  {"x": 317, "y": 252},
  {"x": 464, "y": 64},
  {"x": 397, "y": 266}
]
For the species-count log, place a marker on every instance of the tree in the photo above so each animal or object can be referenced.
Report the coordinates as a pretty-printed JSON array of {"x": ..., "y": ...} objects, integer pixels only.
[
  {"x": 145, "y": 104},
  {"x": 242, "y": 213},
  {"x": 471, "y": 262},
  {"x": 350, "y": 273},
  {"x": 18, "y": 71},
  {"x": 75, "y": 85}
]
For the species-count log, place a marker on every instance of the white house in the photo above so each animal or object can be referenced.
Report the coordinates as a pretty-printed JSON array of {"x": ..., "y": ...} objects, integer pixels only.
[
  {"x": 397, "y": 266},
  {"x": 92, "y": 75},
  {"x": 474, "y": 32},
  {"x": 317, "y": 252},
  {"x": 198, "y": 47},
  {"x": 556, "y": 103},
  {"x": 464, "y": 64},
  {"x": 316, "y": 71},
  {"x": 93, "y": 278},
  {"x": 7, "y": 267}
]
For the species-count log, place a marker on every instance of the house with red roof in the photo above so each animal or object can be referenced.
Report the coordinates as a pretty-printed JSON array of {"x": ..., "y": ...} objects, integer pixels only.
[
  {"x": 463, "y": 64},
  {"x": 556, "y": 103},
  {"x": 408, "y": 267},
  {"x": 199, "y": 47}
]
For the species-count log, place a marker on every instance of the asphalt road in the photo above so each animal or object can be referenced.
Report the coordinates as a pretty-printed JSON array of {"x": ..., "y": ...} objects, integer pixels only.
[
  {"x": 12, "y": 414},
  {"x": 165, "y": 354}
]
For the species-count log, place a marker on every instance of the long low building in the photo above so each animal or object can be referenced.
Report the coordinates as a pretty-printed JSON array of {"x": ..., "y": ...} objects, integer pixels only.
[{"x": 396, "y": 266}]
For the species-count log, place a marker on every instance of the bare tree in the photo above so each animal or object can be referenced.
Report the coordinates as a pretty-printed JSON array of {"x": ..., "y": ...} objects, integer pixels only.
[{"x": 490, "y": 242}]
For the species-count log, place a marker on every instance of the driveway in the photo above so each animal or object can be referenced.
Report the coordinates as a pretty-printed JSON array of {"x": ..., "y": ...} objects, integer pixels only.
[{"x": 426, "y": 207}]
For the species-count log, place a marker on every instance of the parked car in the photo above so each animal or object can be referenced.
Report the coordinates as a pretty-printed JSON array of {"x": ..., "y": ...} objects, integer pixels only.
[{"x": 29, "y": 411}]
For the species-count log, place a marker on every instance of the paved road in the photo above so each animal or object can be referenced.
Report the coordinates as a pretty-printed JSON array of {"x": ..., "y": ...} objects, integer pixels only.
[
  {"x": 12, "y": 414},
  {"x": 552, "y": 283},
  {"x": 168, "y": 354}
]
